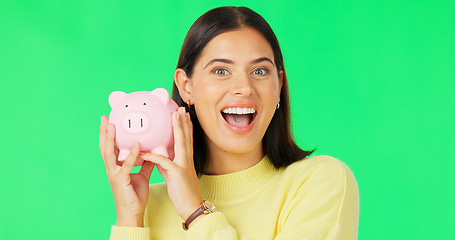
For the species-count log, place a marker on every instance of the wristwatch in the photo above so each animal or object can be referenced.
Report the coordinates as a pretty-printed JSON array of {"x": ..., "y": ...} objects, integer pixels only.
[{"x": 205, "y": 208}]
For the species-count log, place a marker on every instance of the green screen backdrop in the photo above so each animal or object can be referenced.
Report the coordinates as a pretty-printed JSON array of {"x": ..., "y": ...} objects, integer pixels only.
[{"x": 372, "y": 83}]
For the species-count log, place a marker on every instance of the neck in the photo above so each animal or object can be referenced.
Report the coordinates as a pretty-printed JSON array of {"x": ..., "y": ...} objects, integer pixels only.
[{"x": 222, "y": 162}]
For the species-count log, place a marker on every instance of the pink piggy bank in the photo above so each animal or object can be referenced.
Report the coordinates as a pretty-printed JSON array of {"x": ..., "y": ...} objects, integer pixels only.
[{"x": 144, "y": 117}]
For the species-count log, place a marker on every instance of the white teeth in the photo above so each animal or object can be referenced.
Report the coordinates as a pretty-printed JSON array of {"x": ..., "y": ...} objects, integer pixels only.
[{"x": 238, "y": 110}]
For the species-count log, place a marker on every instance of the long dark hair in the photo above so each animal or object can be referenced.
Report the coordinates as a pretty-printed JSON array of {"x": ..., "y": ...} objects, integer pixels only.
[{"x": 278, "y": 143}]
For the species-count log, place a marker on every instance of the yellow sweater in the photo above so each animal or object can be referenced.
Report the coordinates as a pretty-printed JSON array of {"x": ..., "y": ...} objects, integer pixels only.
[{"x": 315, "y": 198}]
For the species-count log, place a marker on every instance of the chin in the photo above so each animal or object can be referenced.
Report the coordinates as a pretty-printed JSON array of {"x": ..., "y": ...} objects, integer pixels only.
[{"x": 239, "y": 145}]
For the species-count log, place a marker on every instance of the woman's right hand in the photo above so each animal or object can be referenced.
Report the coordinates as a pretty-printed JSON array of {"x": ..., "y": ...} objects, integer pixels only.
[{"x": 130, "y": 190}]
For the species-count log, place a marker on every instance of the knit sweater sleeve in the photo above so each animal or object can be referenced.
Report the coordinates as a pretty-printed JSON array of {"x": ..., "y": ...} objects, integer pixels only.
[
  {"x": 131, "y": 233},
  {"x": 325, "y": 205},
  {"x": 212, "y": 226}
]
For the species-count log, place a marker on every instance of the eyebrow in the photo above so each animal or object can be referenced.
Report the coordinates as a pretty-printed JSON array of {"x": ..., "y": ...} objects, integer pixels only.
[
  {"x": 223, "y": 60},
  {"x": 262, "y": 59},
  {"x": 228, "y": 61}
]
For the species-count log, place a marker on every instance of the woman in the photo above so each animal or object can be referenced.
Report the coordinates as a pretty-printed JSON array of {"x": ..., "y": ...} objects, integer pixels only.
[{"x": 233, "y": 150}]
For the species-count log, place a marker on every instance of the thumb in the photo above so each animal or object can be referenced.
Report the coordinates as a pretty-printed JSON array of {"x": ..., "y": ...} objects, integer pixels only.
[{"x": 146, "y": 169}]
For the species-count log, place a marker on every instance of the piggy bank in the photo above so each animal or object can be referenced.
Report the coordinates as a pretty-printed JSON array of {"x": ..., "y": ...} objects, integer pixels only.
[{"x": 144, "y": 117}]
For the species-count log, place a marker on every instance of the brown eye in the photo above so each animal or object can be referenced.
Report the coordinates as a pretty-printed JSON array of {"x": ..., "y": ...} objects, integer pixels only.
[
  {"x": 260, "y": 71},
  {"x": 126, "y": 105},
  {"x": 220, "y": 71}
]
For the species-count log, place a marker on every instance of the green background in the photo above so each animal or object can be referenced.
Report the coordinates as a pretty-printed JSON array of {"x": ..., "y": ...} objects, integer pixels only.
[{"x": 372, "y": 83}]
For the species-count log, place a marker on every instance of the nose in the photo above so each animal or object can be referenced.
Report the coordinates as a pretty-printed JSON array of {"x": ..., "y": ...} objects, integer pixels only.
[
  {"x": 242, "y": 86},
  {"x": 135, "y": 122}
]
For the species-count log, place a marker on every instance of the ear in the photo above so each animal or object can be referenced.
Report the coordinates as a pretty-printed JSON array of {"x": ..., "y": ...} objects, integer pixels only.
[
  {"x": 115, "y": 97},
  {"x": 183, "y": 84},
  {"x": 162, "y": 94}
]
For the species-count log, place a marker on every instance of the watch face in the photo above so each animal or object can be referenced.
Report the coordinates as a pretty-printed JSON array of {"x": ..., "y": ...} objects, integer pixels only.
[{"x": 209, "y": 207}]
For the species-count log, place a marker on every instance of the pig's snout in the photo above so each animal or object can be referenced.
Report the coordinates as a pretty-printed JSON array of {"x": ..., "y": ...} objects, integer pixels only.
[{"x": 136, "y": 122}]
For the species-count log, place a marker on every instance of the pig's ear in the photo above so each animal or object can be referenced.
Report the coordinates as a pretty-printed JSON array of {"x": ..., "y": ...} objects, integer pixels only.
[
  {"x": 162, "y": 94},
  {"x": 115, "y": 97}
]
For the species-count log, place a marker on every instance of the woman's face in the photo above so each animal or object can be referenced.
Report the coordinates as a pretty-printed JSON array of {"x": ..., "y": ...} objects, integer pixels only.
[{"x": 235, "y": 88}]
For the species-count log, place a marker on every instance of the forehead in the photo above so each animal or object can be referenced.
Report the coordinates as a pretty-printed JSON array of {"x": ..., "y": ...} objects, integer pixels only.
[{"x": 239, "y": 44}]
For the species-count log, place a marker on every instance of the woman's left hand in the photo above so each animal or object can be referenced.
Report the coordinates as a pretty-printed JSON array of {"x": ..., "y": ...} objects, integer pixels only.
[{"x": 179, "y": 174}]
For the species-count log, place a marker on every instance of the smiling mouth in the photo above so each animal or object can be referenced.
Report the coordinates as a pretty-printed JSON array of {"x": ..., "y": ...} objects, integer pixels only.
[{"x": 239, "y": 117}]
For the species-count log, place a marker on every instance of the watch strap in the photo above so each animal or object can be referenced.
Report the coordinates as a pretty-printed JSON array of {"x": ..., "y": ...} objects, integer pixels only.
[{"x": 201, "y": 210}]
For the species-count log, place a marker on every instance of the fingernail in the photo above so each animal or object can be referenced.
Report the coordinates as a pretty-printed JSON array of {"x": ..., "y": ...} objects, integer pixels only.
[
  {"x": 178, "y": 115},
  {"x": 188, "y": 116}
]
